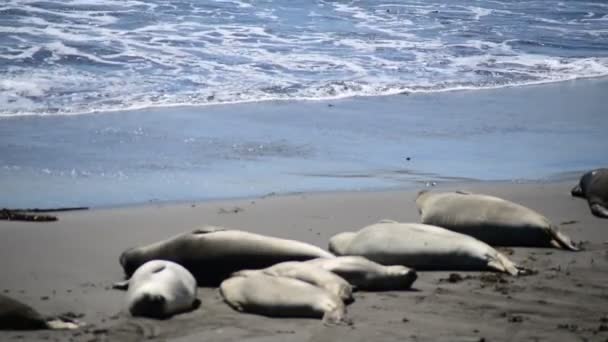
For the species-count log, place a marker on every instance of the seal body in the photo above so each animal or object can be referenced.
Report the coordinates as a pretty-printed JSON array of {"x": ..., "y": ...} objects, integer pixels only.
[
  {"x": 309, "y": 273},
  {"x": 593, "y": 186},
  {"x": 421, "y": 246},
  {"x": 281, "y": 297},
  {"x": 490, "y": 219},
  {"x": 161, "y": 289},
  {"x": 211, "y": 254},
  {"x": 15, "y": 315},
  {"x": 365, "y": 274}
]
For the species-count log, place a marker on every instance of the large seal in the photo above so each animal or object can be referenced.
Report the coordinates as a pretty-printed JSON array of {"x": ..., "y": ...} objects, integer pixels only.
[
  {"x": 213, "y": 253},
  {"x": 365, "y": 274},
  {"x": 593, "y": 186},
  {"x": 422, "y": 247},
  {"x": 15, "y": 315},
  {"x": 493, "y": 220},
  {"x": 308, "y": 273},
  {"x": 160, "y": 289},
  {"x": 281, "y": 297}
]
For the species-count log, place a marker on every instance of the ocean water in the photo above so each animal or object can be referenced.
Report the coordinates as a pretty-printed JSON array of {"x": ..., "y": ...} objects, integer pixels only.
[
  {"x": 205, "y": 99},
  {"x": 84, "y": 56}
]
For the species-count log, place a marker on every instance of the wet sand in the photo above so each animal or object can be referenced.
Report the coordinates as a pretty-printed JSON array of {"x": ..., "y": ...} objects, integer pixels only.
[
  {"x": 247, "y": 150},
  {"x": 69, "y": 265}
]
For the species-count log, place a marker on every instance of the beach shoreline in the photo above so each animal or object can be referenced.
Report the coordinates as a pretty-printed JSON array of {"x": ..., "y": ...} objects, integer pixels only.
[
  {"x": 69, "y": 265},
  {"x": 526, "y": 133}
]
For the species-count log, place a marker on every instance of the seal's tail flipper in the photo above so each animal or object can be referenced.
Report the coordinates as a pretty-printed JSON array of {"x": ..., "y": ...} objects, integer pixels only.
[
  {"x": 560, "y": 240},
  {"x": 598, "y": 210},
  {"x": 501, "y": 263}
]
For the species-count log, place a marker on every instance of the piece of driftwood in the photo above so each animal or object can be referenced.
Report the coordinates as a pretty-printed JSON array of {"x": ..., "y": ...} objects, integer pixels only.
[
  {"x": 33, "y": 214},
  {"x": 51, "y": 210},
  {"x": 18, "y": 215}
]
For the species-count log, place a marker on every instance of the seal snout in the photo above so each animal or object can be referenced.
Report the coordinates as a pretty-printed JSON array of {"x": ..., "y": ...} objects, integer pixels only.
[
  {"x": 150, "y": 305},
  {"x": 577, "y": 191}
]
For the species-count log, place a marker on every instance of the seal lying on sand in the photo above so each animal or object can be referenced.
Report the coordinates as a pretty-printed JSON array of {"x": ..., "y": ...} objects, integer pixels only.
[
  {"x": 281, "y": 297},
  {"x": 421, "y": 246},
  {"x": 490, "y": 219},
  {"x": 160, "y": 289},
  {"x": 365, "y": 274},
  {"x": 15, "y": 315},
  {"x": 593, "y": 186},
  {"x": 308, "y": 273},
  {"x": 213, "y": 253}
]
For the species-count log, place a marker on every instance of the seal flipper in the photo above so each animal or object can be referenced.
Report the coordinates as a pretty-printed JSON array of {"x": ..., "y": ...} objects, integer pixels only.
[
  {"x": 121, "y": 285},
  {"x": 60, "y": 324},
  {"x": 598, "y": 210},
  {"x": 561, "y": 240},
  {"x": 501, "y": 263}
]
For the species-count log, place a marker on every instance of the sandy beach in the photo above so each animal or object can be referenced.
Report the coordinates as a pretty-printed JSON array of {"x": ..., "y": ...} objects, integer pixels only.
[
  {"x": 68, "y": 266},
  {"x": 299, "y": 120}
]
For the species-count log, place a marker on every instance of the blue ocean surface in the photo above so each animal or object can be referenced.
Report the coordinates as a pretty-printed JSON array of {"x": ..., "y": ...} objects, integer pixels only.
[
  {"x": 82, "y": 56},
  {"x": 112, "y": 102}
]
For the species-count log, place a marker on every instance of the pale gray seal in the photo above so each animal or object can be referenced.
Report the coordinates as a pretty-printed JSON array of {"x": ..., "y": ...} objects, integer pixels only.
[
  {"x": 421, "y": 246},
  {"x": 365, "y": 274},
  {"x": 593, "y": 186},
  {"x": 493, "y": 220},
  {"x": 213, "y": 253},
  {"x": 308, "y": 273},
  {"x": 281, "y": 297},
  {"x": 15, "y": 315},
  {"x": 160, "y": 289}
]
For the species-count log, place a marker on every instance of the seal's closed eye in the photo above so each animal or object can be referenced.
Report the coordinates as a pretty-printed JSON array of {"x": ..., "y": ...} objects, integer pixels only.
[
  {"x": 158, "y": 269},
  {"x": 207, "y": 230}
]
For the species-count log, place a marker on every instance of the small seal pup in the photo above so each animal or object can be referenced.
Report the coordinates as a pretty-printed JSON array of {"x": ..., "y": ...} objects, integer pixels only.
[
  {"x": 493, "y": 220},
  {"x": 309, "y": 273},
  {"x": 422, "y": 247},
  {"x": 213, "y": 253},
  {"x": 281, "y": 297},
  {"x": 15, "y": 315},
  {"x": 365, "y": 274},
  {"x": 160, "y": 289},
  {"x": 593, "y": 186}
]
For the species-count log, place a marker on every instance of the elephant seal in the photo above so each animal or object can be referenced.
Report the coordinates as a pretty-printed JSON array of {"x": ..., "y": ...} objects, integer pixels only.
[
  {"x": 160, "y": 289},
  {"x": 213, "y": 253},
  {"x": 421, "y": 246},
  {"x": 593, "y": 186},
  {"x": 308, "y": 273},
  {"x": 15, "y": 315},
  {"x": 365, "y": 274},
  {"x": 493, "y": 220},
  {"x": 282, "y": 297}
]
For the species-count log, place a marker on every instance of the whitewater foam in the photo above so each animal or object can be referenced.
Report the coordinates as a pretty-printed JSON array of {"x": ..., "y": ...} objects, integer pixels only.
[{"x": 83, "y": 56}]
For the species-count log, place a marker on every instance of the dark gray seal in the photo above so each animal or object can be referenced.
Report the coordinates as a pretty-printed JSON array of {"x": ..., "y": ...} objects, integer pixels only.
[
  {"x": 15, "y": 315},
  {"x": 593, "y": 186},
  {"x": 493, "y": 220},
  {"x": 212, "y": 254}
]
